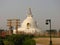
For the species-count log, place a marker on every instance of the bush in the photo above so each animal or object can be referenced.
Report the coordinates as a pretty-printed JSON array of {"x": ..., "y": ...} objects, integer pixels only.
[
  {"x": 29, "y": 42},
  {"x": 19, "y": 40},
  {"x": 1, "y": 42},
  {"x": 6, "y": 42}
]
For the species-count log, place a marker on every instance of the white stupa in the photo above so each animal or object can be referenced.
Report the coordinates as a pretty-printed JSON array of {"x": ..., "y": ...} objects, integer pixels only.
[{"x": 29, "y": 25}]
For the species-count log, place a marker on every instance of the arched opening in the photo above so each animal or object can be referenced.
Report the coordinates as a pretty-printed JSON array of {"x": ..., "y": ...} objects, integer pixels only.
[{"x": 28, "y": 25}]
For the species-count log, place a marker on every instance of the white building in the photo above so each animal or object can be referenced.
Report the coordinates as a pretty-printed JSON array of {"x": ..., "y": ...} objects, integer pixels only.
[{"x": 29, "y": 25}]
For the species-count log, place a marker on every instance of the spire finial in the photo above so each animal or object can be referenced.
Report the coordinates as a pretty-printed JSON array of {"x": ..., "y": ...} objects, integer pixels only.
[{"x": 29, "y": 12}]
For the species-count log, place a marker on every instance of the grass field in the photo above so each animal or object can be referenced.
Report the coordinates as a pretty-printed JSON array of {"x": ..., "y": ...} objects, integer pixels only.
[{"x": 45, "y": 41}]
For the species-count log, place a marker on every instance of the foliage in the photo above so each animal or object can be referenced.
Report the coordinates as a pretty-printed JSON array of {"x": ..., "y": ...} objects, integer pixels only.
[
  {"x": 6, "y": 42},
  {"x": 29, "y": 42},
  {"x": 19, "y": 40},
  {"x": 1, "y": 42}
]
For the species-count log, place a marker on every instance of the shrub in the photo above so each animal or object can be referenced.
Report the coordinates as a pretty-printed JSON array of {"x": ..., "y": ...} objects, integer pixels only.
[
  {"x": 1, "y": 42},
  {"x": 29, "y": 42},
  {"x": 6, "y": 42},
  {"x": 19, "y": 40}
]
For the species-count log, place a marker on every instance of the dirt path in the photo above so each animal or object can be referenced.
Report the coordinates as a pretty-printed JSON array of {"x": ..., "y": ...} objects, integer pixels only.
[{"x": 45, "y": 41}]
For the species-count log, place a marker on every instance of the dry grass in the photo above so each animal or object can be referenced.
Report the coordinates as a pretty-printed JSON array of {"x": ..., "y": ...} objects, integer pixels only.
[{"x": 45, "y": 41}]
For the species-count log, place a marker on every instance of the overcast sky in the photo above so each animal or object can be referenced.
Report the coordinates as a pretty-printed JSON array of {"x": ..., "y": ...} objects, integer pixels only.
[{"x": 41, "y": 10}]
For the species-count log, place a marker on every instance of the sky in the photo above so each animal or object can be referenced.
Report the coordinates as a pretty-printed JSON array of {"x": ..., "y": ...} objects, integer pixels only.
[{"x": 41, "y": 10}]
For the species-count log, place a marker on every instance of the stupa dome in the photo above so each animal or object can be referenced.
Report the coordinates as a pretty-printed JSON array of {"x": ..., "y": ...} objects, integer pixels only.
[
  {"x": 29, "y": 25},
  {"x": 29, "y": 21}
]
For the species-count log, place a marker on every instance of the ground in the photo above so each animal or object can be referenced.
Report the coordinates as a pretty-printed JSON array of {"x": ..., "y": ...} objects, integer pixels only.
[{"x": 45, "y": 41}]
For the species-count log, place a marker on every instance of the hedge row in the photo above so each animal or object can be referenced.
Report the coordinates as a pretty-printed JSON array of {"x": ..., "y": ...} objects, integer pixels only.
[{"x": 18, "y": 40}]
